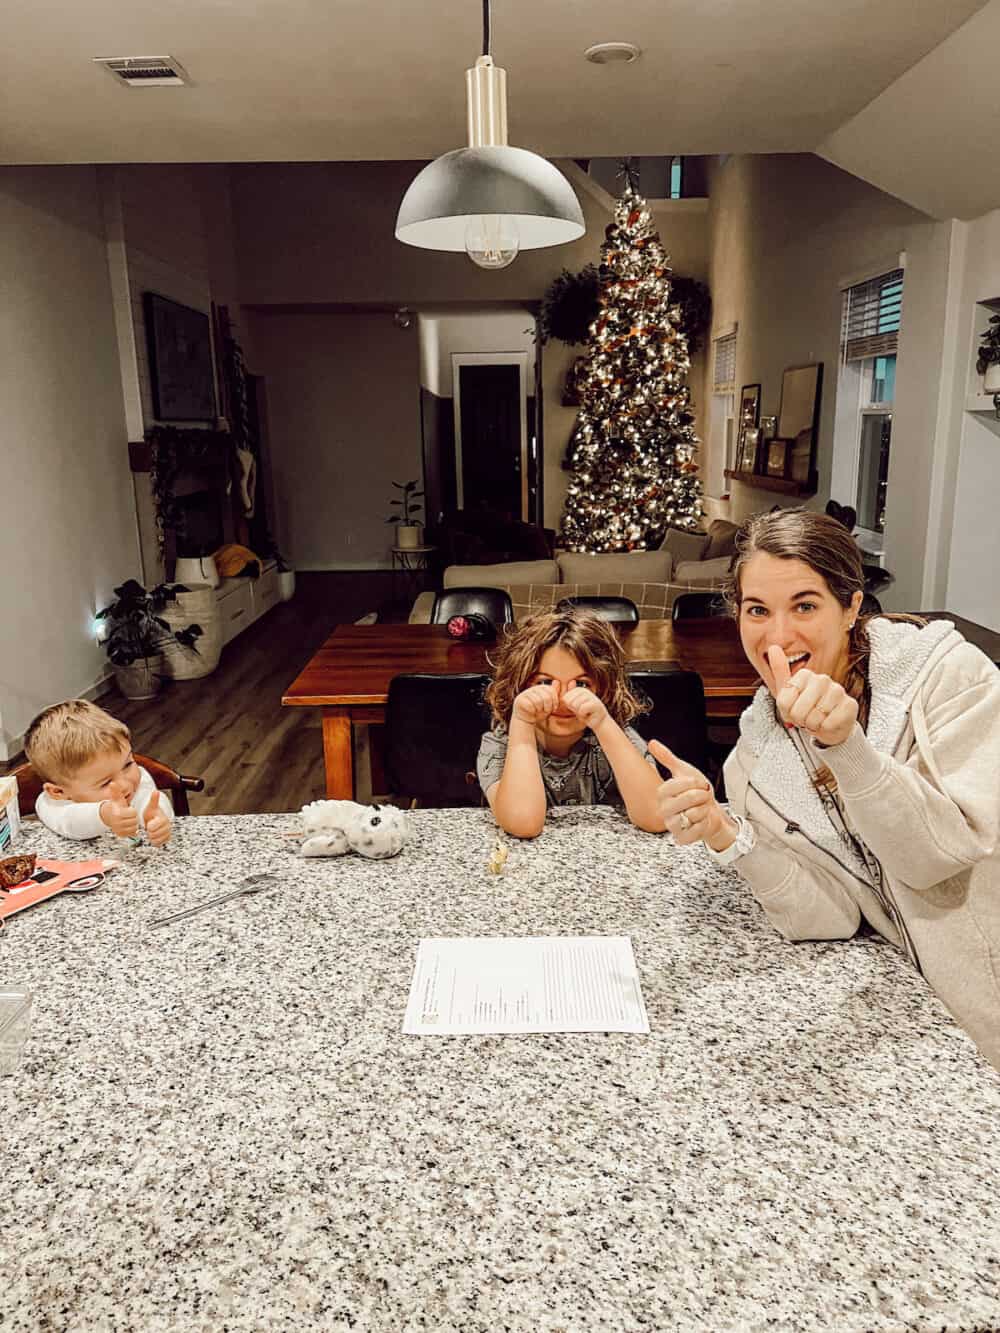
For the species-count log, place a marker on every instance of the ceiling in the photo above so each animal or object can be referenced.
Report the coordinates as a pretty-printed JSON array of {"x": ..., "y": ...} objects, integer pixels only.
[{"x": 300, "y": 80}]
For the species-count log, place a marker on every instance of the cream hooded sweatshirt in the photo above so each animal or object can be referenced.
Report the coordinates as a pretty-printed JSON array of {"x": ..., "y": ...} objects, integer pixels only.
[{"x": 920, "y": 792}]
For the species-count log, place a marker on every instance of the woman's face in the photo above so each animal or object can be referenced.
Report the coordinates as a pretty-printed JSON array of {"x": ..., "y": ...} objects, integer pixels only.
[{"x": 785, "y": 602}]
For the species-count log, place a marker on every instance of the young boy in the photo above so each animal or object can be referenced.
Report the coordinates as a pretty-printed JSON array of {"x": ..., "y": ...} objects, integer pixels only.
[{"x": 90, "y": 780}]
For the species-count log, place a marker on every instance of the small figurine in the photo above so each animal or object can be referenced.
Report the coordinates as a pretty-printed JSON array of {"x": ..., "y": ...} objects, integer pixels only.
[
  {"x": 498, "y": 859},
  {"x": 334, "y": 828}
]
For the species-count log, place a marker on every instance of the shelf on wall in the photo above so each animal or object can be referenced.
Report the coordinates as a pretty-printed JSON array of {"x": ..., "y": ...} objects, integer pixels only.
[
  {"x": 214, "y": 459},
  {"x": 780, "y": 484}
]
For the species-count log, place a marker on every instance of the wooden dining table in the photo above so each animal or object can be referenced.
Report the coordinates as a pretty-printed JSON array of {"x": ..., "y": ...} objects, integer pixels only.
[{"x": 348, "y": 677}]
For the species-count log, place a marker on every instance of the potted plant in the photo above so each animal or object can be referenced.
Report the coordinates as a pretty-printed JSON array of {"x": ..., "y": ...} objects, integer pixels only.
[
  {"x": 408, "y": 530},
  {"x": 286, "y": 578},
  {"x": 988, "y": 359},
  {"x": 137, "y": 634}
]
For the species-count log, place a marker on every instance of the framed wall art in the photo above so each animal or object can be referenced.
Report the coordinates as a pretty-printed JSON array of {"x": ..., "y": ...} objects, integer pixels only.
[
  {"x": 746, "y": 455},
  {"x": 776, "y": 457},
  {"x": 747, "y": 419},
  {"x": 181, "y": 378}
]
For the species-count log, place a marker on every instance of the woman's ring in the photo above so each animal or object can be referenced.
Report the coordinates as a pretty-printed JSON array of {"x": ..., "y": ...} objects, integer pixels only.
[{"x": 684, "y": 821}]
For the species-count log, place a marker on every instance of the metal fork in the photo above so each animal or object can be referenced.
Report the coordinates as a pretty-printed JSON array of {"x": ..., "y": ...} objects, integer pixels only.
[{"x": 252, "y": 884}]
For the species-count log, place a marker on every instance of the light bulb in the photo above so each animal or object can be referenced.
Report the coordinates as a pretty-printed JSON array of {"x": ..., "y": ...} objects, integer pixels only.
[{"x": 492, "y": 240}]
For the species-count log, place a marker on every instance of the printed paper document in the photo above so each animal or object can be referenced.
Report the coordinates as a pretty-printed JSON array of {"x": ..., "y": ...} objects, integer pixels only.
[{"x": 530, "y": 984}]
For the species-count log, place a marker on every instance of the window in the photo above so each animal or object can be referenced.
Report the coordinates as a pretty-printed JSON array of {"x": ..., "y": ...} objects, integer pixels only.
[
  {"x": 866, "y": 390},
  {"x": 724, "y": 363},
  {"x": 721, "y": 426},
  {"x": 676, "y": 178}
]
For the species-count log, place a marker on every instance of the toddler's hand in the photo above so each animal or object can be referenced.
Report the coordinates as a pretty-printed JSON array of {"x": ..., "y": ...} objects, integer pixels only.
[
  {"x": 119, "y": 816},
  {"x": 534, "y": 704},
  {"x": 158, "y": 826},
  {"x": 688, "y": 805},
  {"x": 586, "y": 705},
  {"x": 817, "y": 704}
]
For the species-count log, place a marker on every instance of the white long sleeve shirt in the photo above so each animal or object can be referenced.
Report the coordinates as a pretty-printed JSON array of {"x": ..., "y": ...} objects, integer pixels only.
[{"x": 82, "y": 819}]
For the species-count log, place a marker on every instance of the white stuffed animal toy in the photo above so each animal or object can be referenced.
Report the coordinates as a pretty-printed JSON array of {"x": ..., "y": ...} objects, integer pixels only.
[{"x": 336, "y": 827}]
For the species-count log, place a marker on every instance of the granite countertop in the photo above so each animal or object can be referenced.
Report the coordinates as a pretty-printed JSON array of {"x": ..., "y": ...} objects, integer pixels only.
[{"x": 219, "y": 1126}]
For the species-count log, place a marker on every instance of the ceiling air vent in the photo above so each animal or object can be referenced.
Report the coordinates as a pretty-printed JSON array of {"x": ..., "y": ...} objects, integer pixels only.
[{"x": 145, "y": 71}]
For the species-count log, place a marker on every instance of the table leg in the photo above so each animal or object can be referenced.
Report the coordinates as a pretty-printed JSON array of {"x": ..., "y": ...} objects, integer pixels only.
[{"x": 338, "y": 759}]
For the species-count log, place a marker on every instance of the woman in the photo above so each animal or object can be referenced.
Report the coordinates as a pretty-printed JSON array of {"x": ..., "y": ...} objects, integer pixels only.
[{"x": 866, "y": 781}]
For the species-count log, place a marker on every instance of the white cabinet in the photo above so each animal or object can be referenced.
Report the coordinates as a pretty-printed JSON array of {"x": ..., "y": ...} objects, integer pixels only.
[
  {"x": 241, "y": 601},
  {"x": 264, "y": 591},
  {"x": 235, "y": 602}
]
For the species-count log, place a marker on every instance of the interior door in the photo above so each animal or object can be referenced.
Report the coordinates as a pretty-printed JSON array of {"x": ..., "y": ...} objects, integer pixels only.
[{"x": 491, "y": 443}]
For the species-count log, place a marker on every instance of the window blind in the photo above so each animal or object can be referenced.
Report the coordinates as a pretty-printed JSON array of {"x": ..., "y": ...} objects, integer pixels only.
[
  {"x": 724, "y": 374},
  {"x": 870, "y": 322}
]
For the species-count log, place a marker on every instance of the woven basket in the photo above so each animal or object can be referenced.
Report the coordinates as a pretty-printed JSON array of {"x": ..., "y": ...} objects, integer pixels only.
[{"x": 197, "y": 607}]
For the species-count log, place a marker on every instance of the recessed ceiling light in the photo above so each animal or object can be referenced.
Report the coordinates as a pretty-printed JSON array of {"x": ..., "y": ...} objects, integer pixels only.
[{"x": 612, "y": 53}]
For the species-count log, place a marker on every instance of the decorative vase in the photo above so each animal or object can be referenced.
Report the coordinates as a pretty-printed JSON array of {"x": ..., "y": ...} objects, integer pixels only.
[
  {"x": 408, "y": 535},
  {"x": 991, "y": 380},
  {"x": 141, "y": 680},
  {"x": 195, "y": 607},
  {"x": 196, "y": 569},
  {"x": 286, "y": 584}
]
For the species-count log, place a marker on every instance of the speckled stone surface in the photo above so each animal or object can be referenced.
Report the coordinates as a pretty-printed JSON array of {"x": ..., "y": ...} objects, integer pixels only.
[{"x": 219, "y": 1126}]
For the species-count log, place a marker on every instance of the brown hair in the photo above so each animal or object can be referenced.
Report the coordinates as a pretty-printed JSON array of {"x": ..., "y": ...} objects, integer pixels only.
[
  {"x": 590, "y": 640},
  {"x": 66, "y": 736}
]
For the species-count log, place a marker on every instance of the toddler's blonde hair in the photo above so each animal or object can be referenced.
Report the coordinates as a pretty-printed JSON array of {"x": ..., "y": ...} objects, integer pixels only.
[{"x": 66, "y": 736}]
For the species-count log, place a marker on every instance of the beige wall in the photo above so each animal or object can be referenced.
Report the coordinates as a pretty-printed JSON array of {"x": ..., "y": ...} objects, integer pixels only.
[
  {"x": 69, "y": 535},
  {"x": 786, "y": 233},
  {"x": 970, "y": 462},
  {"x": 170, "y": 232},
  {"x": 324, "y": 232},
  {"x": 343, "y": 397},
  {"x": 313, "y": 232}
]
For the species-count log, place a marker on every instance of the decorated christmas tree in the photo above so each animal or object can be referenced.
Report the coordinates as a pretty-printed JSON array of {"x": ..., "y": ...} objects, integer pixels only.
[{"x": 632, "y": 452}]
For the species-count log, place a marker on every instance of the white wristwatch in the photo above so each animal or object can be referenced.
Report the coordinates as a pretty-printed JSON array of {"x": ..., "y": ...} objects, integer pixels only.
[{"x": 746, "y": 839}]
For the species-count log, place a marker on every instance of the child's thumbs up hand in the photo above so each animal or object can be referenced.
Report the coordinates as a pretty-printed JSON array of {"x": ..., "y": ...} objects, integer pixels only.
[
  {"x": 119, "y": 816},
  {"x": 687, "y": 803},
  {"x": 158, "y": 826}
]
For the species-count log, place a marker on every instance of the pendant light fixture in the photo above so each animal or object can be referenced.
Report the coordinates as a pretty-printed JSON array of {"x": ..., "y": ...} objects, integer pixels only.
[{"x": 489, "y": 199}]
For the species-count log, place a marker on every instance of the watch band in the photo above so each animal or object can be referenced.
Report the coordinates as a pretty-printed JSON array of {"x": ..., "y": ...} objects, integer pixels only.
[{"x": 744, "y": 842}]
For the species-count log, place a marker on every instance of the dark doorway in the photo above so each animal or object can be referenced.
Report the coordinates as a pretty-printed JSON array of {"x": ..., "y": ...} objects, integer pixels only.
[{"x": 492, "y": 459}]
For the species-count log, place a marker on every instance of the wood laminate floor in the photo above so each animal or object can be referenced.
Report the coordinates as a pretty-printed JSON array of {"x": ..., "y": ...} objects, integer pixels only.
[{"x": 230, "y": 728}]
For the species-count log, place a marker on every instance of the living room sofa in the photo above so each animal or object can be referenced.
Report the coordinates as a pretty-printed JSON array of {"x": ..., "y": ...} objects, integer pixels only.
[{"x": 685, "y": 562}]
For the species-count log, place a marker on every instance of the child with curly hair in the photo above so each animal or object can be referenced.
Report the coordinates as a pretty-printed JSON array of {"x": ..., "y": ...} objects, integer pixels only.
[{"x": 561, "y": 704}]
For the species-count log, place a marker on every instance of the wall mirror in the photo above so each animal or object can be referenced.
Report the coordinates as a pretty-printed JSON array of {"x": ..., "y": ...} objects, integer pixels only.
[{"x": 798, "y": 419}]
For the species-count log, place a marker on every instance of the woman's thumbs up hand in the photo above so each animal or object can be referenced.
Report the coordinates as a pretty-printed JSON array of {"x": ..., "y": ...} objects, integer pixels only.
[{"x": 688, "y": 805}]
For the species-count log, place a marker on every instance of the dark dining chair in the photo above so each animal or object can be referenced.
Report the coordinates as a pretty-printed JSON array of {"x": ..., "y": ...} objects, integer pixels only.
[
  {"x": 698, "y": 606},
  {"x": 870, "y": 605},
  {"x": 176, "y": 785},
  {"x": 677, "y": 716},
  {"x": 617, "y": 610},
  {"x": 493, "y": 603},
  {"x": 433, "y": 726}
]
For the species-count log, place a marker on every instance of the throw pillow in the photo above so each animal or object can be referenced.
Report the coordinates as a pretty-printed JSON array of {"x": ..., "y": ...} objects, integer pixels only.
[
  {"x": 721, "y": 539},
  {"x": 684, "y": 544}
]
